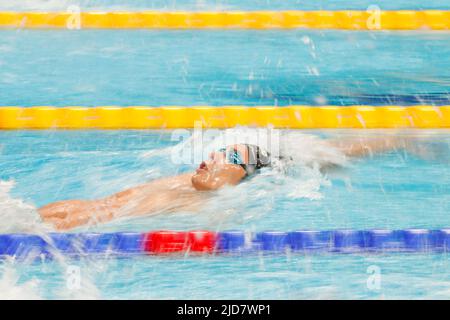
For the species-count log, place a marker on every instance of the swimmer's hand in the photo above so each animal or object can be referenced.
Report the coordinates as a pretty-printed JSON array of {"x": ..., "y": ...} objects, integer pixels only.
[
  {"x": 429, "y": 150},
  {"x": 69, "y": 214},
  {"x": 371, "y": 145}
]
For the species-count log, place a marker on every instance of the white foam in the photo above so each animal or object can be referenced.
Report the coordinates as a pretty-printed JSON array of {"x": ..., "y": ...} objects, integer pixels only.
[
  {"x": 17, "y": 215},
  {"x": 310, "y": 185},
  {"x": 11, "y": 289},
  {"x": 310, "y": 150}
]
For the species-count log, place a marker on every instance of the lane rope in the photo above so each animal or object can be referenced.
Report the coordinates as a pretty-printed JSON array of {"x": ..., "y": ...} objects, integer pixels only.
[
  {"x": 227, "y": 242},
  {"x": 291, "y": 117},
  {"x": 342, "y": 19}
]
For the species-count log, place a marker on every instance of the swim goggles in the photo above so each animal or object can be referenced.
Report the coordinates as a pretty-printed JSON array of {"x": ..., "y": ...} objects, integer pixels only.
[{"x": 256, "y": 158}]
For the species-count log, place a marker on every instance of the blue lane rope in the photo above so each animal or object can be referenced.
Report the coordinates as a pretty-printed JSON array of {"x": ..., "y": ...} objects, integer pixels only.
[{"x": 344, "y": 241}]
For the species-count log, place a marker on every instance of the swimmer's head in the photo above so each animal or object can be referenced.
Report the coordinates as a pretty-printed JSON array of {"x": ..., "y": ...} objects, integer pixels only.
[{"x": 229, "y": 166}]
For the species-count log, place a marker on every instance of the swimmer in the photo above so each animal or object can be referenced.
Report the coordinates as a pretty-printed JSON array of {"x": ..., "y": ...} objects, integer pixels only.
[{"x": 225, "y": 167}]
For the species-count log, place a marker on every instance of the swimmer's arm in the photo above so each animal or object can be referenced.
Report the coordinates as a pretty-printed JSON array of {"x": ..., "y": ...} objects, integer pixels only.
[
  {"x": 369, "y": 146},
  {"x": 75, "y": 213},
  {"x": 144, "y": 199},
  {"x": 69, "y": 214}
]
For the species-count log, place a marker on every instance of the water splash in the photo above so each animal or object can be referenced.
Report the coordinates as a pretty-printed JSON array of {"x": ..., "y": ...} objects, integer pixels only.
[
  {"x": 298, "y": 176},
  {"x": 18, "y": 215},
  {"x": 12, "y": 289}
]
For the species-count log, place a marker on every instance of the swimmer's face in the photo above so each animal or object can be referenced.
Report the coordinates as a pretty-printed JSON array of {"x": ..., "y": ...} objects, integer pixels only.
[{"x": 221, "y": 168}]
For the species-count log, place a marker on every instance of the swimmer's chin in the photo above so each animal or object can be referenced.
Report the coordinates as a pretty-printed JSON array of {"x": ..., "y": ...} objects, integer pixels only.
[
  {"x": 200, "y": 180},
  {"x": 197, "y": 180}
]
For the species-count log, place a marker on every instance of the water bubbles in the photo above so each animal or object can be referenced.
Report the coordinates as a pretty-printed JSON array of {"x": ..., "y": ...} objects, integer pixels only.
[
  {"x": 306, "y": 40},
  {"x": 313, "y": 71},
  {"x": 321, "y": 100}
]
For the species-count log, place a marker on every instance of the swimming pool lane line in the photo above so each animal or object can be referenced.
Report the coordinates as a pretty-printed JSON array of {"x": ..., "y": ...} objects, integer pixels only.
[
  {"x": 170, "y": 117},
  {"x": 226, "y": 242},
  {"x": 260, "y": 20}
]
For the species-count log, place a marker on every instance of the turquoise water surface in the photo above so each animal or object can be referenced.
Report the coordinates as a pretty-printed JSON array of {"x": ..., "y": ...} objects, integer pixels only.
[{"x": 105, "y": 67}]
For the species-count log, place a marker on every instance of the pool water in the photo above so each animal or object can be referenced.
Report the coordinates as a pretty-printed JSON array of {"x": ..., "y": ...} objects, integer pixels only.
[
  {"x": 141, "y": 67},
  {"x": 128, "y": 68},
  {"x": 403, "y": 191}
]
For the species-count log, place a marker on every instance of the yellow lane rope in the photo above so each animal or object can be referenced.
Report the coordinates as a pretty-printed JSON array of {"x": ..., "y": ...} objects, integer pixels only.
[
  {"x": 294, "y": 117},
  {"x": 349, "y": 19}
]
